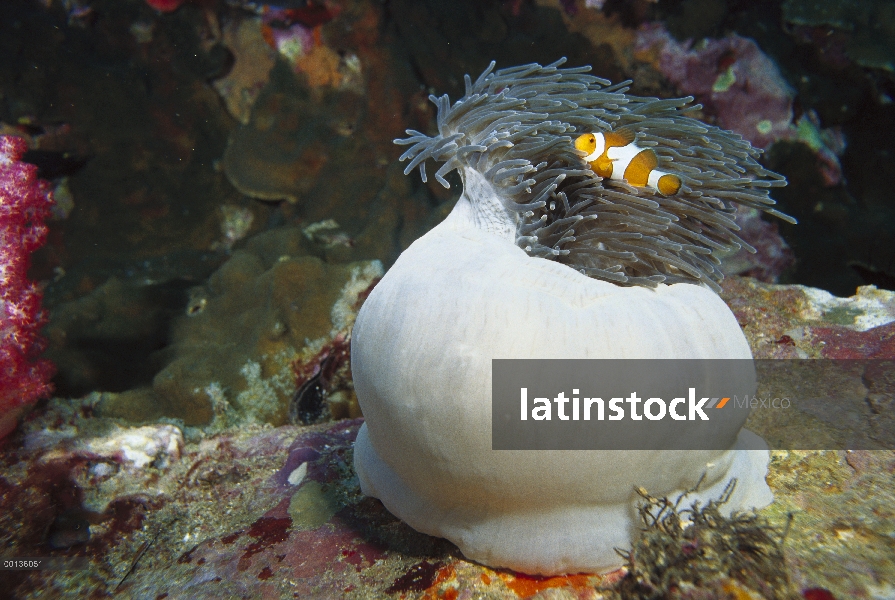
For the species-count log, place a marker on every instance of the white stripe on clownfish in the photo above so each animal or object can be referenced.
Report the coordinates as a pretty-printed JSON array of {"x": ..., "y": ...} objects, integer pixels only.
[
  {"x": 614, "y": 155},
  {"x": 599, "y": 148}
]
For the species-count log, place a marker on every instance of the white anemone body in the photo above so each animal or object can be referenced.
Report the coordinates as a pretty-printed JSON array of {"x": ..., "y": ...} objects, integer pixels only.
[{"x": 422, "y": 346}]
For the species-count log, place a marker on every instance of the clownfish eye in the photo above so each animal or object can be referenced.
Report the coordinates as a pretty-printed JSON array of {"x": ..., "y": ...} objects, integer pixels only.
[{"x": 586, "y": 142}]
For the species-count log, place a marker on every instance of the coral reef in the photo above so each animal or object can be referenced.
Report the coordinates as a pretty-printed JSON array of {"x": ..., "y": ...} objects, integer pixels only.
[
  {"x": 829, "y": 144},
  {"x": 320, "y": 119},
  {"x": 743, "y": 89},
  {"x": 732, "y": 77},
  {"x": 25, "y": 203},
  {"x": 868, "y": 25},
  {"x": 165, "y": 6},
  {"x": 253, "y": 59},
  {"x": 772, "y": 256},
  {"x": 253, "y": 335},
  {"x": 447, "y": 38},
  {"x": 106, "y": 338},
  {"x": 126, "y": 447},
  {"x": 284, "y": 149},
  {"x": 277, "y": 511},
  {"x": 120, "y": 102}
]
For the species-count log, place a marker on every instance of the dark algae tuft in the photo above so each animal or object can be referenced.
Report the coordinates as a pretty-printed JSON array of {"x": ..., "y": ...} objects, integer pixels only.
[{"x": 698, "y": 553}]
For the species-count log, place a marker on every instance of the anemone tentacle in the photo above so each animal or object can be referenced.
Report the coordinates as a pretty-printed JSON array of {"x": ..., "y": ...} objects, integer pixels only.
[{"x": 514, "y": 127}]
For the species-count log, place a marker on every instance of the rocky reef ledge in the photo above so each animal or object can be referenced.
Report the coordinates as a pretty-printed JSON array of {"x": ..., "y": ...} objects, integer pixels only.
[{"x": 164, "y": 511}]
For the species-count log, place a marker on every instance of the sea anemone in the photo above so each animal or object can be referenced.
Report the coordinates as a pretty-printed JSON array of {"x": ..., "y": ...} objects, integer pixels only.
[
  {"x": 513, "y": 128},
  {"x": 477, "y": 287}
]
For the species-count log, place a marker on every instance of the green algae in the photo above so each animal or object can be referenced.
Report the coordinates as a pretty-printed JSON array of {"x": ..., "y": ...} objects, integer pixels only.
[
  {"x": 313, "y": 505},
  {"x": 725, "y": 81},
  {"x": 843, "y": 315},
  {"x": 764, "y": 126}
]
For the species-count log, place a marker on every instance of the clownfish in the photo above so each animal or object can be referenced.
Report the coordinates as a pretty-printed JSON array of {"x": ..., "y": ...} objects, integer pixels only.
[{"x": 614, "y": 155}]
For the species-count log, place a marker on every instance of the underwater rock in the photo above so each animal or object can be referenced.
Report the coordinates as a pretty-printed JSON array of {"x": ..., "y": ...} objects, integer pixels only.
[
  {"x": 794, "y": 321},
  {"x": 327, "y": 149},
  {"x": 253, "y": 60},
  {"x": 280, "y": 152},
  {"x": 697, "y": 18},
  {"x": 236, "y": 222},
  {"x": 243, "y": 344},
  {"x": 773, "y": 255},
  {"x": 732, "y": 77},
  {"x": 298, "y": 38},
  {"x": 828, "y": 143},
  {"x": 320, "y": 119},
  {"x": 319, "y": 135},
  {"x": 277, "y": 511},
  {"x": 104, "y": 339},
  {"x": 868, "y": 24},
  {"x": 129, "y": 447},
  {"x": 443, "y": 39}
]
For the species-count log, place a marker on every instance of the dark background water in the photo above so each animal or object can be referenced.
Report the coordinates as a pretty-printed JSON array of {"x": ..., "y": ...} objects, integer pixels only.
[{"x": 125, "y": 106}]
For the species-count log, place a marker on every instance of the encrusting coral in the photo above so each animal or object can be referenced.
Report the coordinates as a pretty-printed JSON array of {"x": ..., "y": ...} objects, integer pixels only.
[{"x": 513, "y": 126}]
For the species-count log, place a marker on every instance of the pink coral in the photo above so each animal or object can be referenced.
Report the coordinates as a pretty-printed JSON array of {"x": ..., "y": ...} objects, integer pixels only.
[
  {"x": 732, "y": 77},
  {"x": 25, "y": 203}
]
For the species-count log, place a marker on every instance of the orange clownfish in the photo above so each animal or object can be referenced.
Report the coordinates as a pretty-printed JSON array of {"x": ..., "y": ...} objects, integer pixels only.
[{"x": 614, "y": 155}]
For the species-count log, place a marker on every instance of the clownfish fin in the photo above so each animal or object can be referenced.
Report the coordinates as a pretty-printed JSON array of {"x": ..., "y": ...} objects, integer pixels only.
[
  {"x": 602, "y": 167},
  {"x": 626, "y": 134}
]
